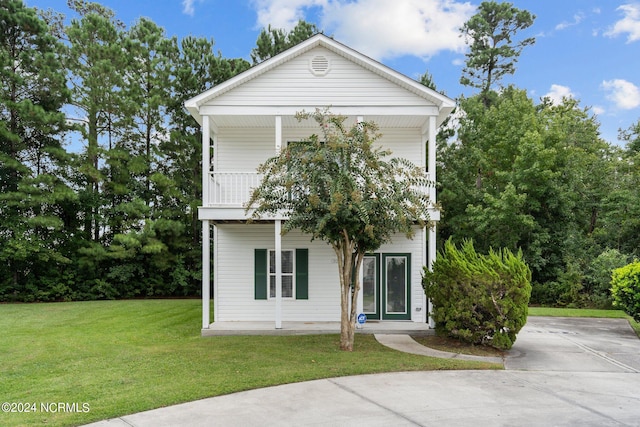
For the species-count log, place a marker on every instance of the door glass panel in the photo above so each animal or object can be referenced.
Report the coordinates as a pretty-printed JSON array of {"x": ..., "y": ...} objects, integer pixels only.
[
  {"x": 369, "y": 285},
  {"x": 396, "y": 289}
]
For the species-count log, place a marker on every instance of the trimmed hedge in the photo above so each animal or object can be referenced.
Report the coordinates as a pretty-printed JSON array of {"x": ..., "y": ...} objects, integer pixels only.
[
  {"x": 480, "y": 299},
  {"x": 625, "y": 289}
]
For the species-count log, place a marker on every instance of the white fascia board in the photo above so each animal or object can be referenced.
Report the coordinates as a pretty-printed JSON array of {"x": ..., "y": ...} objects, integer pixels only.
[{"x": 383, "y": 110}]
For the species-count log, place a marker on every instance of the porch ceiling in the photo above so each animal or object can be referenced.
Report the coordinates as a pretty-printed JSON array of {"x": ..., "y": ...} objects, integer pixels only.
[{"x": 253, "y": 121}]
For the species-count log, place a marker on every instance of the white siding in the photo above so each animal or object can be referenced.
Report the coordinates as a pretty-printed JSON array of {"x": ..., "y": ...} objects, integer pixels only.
[
  {"x": 235, "y": 275},
  {"x": 244, "y": 149},
  {"x": 404, "y": 143},
  {"x": 346, "y": 83},
  {"x": 236, "y": 244}
]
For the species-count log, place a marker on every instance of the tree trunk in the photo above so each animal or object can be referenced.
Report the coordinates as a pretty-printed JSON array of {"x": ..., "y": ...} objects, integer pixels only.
[
  {"x": 348, "y": 295},
  {"x": 347, "y": 328},
  {"x": 344, "y": 253}
]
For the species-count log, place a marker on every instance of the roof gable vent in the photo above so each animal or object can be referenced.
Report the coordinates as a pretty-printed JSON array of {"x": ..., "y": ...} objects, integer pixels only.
[{"x": 319, "y": 65}]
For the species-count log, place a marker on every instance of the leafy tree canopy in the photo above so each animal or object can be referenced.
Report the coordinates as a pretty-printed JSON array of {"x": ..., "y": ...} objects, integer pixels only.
[{"x": 338, "y": 187}]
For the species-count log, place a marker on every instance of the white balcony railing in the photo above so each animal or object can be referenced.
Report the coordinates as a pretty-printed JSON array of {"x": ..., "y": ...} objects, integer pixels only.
[{"x": 233, "y": 189}]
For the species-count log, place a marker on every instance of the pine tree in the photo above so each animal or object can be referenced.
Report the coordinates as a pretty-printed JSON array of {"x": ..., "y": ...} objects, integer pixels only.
[
  {"x": 33, "y": 194},
  {"x": 95, "y": 59}
]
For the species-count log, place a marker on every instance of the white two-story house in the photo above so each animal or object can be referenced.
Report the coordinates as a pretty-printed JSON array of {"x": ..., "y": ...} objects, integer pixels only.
[{"x": 259, "y": 274}]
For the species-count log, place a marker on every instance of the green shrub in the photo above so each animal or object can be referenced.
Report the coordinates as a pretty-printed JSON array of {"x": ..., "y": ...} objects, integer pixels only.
[
  {"x": 598, "y": 276},
  {"x": 480, "y": 299},
  {"x": 625, "y": 289},
  {"x": 547, "y": 293}
]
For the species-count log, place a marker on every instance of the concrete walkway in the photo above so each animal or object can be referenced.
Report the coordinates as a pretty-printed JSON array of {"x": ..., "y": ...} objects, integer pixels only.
[
  {"x": 407, "y": 344},
  {"x": 561, "y": 372}
]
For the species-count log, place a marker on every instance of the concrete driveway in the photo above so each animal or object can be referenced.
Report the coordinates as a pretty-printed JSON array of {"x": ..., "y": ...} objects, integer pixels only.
[
  {"x": 561, "y": 372},
  {"x": 560, "y": 344}
]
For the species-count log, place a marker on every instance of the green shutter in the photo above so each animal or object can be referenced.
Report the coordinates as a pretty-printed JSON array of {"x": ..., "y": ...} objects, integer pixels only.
[
  {"x": 302, "y": 273},
  {"x": 260, "y": 273}
]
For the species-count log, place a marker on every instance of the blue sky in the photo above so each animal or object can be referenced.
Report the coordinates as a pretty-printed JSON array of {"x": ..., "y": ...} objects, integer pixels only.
[{"x": 587, "y": 49}]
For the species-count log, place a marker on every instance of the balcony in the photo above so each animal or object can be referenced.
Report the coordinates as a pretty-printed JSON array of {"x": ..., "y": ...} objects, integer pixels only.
[
  {"x": 231, "y": 189},
  {"x": 228, "y": 193}
]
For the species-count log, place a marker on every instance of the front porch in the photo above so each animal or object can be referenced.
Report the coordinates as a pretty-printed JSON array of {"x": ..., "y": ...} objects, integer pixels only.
[{"x": 314, "y": 328}]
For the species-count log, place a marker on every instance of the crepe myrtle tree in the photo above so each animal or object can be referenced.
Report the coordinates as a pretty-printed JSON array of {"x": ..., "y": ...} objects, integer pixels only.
[{"x": 340, "y": 188}]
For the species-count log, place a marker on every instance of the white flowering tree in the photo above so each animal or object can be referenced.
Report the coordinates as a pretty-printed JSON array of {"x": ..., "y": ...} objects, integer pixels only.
[{"x": 339, "y": 188}]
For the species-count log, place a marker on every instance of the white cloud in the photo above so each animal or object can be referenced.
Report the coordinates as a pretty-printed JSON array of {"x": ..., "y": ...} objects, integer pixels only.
[
  {"x": 558, "y": 92},
  {"x": 597, "y": 110},
  {"x": 630, "y": 24},
  {"x": 187, "y": 7},
  {"x": 625, "y": 95},
  {"x": 379, "y": 28},
  {"x": 577, "y": 18},
  {"x": 283, "y": 13},
  {"x": 388, "y": 29}
]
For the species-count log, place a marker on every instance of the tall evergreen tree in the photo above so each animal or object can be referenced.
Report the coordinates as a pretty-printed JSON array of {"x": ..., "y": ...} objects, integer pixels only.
[
  {"x": 272, "y": 41},
  {"x": 148, "y": 87},
  {"x": 179, "y": 178},
  {"x": 492, "y": 52},
  {"x": 33, "y": 194},
  {"x": 95, "y": 59}
]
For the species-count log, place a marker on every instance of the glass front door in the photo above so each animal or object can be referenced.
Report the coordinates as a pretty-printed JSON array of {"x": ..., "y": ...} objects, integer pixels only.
[
  {"x": 371, "y": 286},
  {"x": 386, "y": 286}
]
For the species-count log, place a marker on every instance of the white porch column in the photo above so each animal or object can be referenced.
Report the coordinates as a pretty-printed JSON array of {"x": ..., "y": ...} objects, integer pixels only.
[
  {"x": 206, "y": 160},
  {"x": 214, "y": 251},
  {"x": 206, "y": 231},
  {"x": 431, "y": 168},
  {"x": 360, "y": 298},
  {"x": 278, "y": 134},
  {"x": 278, "y": 237},
  {"x": 206, "y": 273},
  {"x": 431, "y": 157},
  {"x": 278, "y": 249},
  {"x": 432, "y": 257}
]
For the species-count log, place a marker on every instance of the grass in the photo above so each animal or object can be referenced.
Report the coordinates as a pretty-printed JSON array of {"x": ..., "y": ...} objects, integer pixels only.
[
  {"x": 122, "y": 357},
  {"x": 583, "y": 312}
]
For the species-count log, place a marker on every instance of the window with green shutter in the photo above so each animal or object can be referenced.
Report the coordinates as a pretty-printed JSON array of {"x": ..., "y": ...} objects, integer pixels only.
[
  {"x": 302, "y": 273},
  {"x": 295, "y": 274},
  {"x": 260, "y": 273}
]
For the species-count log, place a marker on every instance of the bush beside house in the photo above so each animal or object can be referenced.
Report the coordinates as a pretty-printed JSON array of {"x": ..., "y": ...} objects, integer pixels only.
[
  {"x": 625, "y": 289},
  {"x": 480, "y": 299}
]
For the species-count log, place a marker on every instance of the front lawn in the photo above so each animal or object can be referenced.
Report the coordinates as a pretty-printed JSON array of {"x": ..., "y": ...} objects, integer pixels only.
[{"x": 104, "y": 359}]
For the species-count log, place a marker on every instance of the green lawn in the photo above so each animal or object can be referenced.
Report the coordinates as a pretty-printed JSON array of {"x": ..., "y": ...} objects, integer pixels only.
[{"x": 121, "y": 357}]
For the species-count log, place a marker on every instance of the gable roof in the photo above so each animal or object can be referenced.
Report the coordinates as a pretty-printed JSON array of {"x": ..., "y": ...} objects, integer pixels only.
[{"x": 445, "y": 104}]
